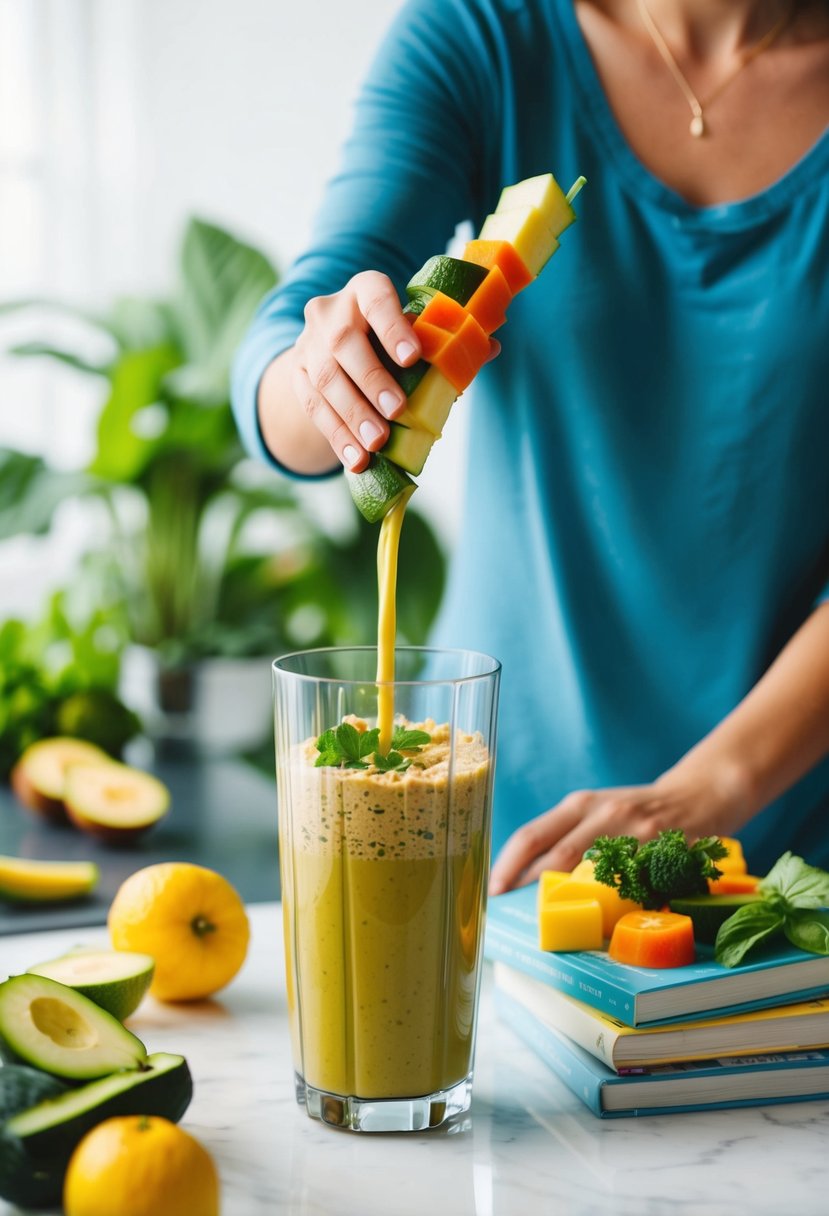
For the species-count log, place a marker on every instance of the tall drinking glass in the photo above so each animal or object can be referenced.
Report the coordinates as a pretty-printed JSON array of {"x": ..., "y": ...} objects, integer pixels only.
[{"x": 384, "y": 884}]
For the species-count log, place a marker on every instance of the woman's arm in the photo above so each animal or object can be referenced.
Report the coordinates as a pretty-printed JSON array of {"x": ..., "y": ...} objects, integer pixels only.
[
  {"x": 421, "y": 158},
  {"x": 776, "y": 734}
]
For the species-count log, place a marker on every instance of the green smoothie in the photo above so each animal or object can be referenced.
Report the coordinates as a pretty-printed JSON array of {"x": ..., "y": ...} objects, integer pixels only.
[{"x": 384, "y": 877}]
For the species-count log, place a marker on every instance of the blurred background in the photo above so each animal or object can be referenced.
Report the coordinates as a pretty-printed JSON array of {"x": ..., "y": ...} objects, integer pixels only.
[{"x": 160, "y": 161}]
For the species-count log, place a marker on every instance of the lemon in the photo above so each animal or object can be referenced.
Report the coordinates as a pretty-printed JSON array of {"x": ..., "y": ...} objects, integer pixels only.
[
  {"x": 140, "y": 1165},
  {"x": 190, "y": 920}
]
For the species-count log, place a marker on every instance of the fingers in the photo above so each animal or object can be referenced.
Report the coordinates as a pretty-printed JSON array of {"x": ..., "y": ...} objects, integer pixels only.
[
  {"x": 559, "y": 839},
  {"x": 326, "y": 419},
  {"x": 339, "y": 379},
  {"x": 359, "y": 361},
  {"x": 379, "y": 305},
  {"x": 533, "y": 841}
]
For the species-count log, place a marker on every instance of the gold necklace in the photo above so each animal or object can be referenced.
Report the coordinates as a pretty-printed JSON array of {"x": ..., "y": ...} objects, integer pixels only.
[{"x": 697, "y": 126}]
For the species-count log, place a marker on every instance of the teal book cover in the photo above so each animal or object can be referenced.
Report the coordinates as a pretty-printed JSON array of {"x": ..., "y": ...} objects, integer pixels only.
[
  {"x": 670, "y": 1088},
  {"x": 642, "y": 996}
]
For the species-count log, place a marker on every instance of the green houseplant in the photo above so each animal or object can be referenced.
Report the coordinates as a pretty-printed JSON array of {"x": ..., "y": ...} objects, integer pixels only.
[{"x": 182, "y": 501}]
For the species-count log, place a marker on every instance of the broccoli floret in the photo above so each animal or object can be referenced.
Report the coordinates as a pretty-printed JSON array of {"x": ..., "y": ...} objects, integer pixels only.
[{"x": 658, "y": 871}]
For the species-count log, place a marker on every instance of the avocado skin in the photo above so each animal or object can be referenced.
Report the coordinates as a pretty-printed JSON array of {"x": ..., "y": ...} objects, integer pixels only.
[
  {"x": 32, "y": 1168},
  {"x": 167, "y": 1095},
  {"x": 22, "y": 1181}
]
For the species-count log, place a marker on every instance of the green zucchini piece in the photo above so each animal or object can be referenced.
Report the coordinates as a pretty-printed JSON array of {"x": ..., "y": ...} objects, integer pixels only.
[
  {"x": 708, "y": 912},
  {"x": 55, "y": 1028},
  {"x": 407, "y": 448},
  {"x": 455, "y": 278},
  {"x": 430, "y": 404},
  {"x": 377, "y": 488}
]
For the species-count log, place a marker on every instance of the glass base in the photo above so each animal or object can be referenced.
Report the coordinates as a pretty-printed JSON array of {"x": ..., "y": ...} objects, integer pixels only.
[{"x": 385, "y": 1114}]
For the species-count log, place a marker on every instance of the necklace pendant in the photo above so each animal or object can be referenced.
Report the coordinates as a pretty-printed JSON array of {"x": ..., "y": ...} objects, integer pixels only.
[{"x": 697, "y": 127}]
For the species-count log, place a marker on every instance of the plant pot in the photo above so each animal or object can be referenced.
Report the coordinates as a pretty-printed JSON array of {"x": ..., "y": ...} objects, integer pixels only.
[{"x": 215, "y": 705}]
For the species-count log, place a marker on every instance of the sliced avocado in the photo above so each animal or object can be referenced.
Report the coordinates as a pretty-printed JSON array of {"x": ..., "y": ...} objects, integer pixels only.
[
  {"x": 526, "y": 230},
  {"x": 430, "y": 404},
  {"x": 116, "y": 980},
  {"x": 161, "y": 1086},
  {"x": 24, "y": 881},
  {"x": 455, "y": 278},
  {"x": 408, "y": 448},
  {"x": 22, "y": 1181},
  {"x": 543, "y": 193},
  {"x": 52, "y": 1027},
  {"x": 377, "y": 488},
  {"x": 708, "y": 912}
]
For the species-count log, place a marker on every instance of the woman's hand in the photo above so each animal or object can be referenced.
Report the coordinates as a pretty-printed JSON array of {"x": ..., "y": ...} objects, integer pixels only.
[
  {"x": 558, "y": 839},
  {"x": 335, "y": 373}
]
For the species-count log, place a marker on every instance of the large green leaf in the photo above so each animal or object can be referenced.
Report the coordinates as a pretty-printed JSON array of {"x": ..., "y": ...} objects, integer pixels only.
[
  {"x": 30, "y": 492},
  {"x": 222, "y": 282},
  {"x": 38, "y": 350},
  {"x": 123, "y": 452}
]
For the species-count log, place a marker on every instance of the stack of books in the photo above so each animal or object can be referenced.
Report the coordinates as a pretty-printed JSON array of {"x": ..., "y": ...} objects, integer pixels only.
[{"x": 636, "y": 1041}]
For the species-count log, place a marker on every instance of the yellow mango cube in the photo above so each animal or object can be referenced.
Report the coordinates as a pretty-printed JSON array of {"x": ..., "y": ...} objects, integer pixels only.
[
  {"x": 734, "y": 862},
  {"x": 608, "y": 898},
  {"x": 584, "y": 869},
  {"x": 526, "y": 230},
  {"x": 572, "y": 924},
  {"x": 547, "y": 881}
]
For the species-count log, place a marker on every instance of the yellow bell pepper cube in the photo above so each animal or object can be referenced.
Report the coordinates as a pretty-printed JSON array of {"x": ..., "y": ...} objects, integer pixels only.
[
  {"x": 548, "y": 879},
  {"x": 573, "y": 924},
  {"x": 608, "y": 898}
]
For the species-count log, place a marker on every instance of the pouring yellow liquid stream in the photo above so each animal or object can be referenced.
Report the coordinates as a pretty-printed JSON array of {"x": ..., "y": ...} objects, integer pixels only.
[{"x": 387, "y": 550}]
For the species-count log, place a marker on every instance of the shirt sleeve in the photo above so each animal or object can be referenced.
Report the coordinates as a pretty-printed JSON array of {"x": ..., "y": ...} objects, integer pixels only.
[{"x": 417, "y": 163}]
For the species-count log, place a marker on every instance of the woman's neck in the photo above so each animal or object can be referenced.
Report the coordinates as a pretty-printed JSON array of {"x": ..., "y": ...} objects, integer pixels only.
[{"x": 711, "y": 29}]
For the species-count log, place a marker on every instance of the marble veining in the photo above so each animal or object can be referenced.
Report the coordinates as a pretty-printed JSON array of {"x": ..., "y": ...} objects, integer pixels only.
[{"x": 528, "y": 1147}]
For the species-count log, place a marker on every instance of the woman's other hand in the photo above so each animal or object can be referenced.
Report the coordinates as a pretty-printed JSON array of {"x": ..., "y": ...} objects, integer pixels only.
[{"x": 558, "y": 839}]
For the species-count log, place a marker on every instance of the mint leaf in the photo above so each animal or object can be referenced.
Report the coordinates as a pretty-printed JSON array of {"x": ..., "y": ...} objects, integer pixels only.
[
  {"x": 327, "y": 742},
  {"x": 809, "y": 930},
  {"x": 748, "y": 926},
  {"x": 368, "y": 741},
  {"x": 328, "y": 748},
  {"x": 393, "y": 761},
  {"x": 409, "y": 740},
  {"x": 348, "y": 738},
  {"x": 801, "y": 885}
]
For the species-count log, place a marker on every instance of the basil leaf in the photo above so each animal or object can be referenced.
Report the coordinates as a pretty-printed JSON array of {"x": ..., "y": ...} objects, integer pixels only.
[
  {"x": 749, "y": 925},
  {"x": 801, "y": 885},
  {"x": 348, "y": 738},
  {"x": 809, "y": 931}
]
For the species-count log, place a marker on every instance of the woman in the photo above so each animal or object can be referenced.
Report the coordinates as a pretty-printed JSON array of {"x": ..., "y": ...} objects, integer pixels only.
[{"x": 646, "y": 536}]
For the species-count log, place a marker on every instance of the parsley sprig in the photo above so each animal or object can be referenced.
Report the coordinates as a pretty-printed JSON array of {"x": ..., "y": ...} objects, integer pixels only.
[{"x": 344, "y": 746}]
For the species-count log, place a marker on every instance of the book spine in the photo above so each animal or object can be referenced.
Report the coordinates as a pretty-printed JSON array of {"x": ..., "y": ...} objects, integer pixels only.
[
  {"x": 558, "y": 971},
  {"x": 589, "y": 1031},
  {"x": 552, "y": 1050}
]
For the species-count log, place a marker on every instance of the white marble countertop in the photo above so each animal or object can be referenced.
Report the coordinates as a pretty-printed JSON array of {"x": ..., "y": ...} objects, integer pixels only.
[{"x": 529, "y": 1147}]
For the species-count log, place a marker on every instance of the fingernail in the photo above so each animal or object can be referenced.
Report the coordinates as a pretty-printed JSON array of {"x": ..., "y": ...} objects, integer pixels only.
[
  {"x": 370, "y": 433},
  {"x": 404, "y": 351},
  {"x": 350, "y": 455},
  {"x": 388, "y": 402}
]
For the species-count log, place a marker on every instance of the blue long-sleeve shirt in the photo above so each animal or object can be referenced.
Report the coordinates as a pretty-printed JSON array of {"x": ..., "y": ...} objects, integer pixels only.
[{"x": 646, "y": 520}]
